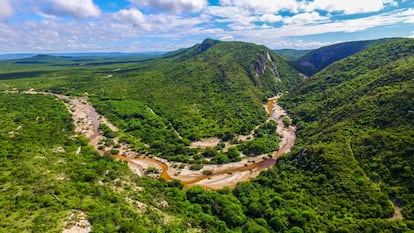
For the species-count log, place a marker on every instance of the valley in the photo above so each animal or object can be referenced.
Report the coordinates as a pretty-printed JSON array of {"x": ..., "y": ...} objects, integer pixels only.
[
  {"x": 201, "y": 140},
  {"x": 87, "y": 122}
]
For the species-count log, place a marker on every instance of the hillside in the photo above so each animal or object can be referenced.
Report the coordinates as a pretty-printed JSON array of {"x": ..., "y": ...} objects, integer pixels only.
[
  {"x": 315, "y": 60},
  {"x": 212, "y": 89},
  {"x": 51, "y": 179},
  {"x": 351, "y": 169},
  {"x": 355, "y": 128},
  {"x": 291, "y": 54}
]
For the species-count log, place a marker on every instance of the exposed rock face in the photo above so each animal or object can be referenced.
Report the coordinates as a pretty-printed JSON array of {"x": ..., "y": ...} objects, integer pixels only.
[{"x": 264, "y": 61}]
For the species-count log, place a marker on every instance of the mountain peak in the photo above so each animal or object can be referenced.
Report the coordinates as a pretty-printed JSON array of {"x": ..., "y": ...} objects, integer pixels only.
[
  {"x": 206, "y": 44},
  {"x": 195, "y": 50},
  {"x": 209, "y": 41}
]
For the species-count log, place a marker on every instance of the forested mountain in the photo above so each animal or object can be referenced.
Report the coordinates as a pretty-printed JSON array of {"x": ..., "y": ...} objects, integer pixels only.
[
  {"x": 291, "y": 54},
  {"x": 356, "y": 135},
  {"x": 212, "y": 89},
  {"x": 315, "y": 60},
  {"x": 351, "y": 169}
]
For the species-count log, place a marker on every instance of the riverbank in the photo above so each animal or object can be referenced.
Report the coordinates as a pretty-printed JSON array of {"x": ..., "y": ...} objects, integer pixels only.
[{"x": 87, "y": 122}]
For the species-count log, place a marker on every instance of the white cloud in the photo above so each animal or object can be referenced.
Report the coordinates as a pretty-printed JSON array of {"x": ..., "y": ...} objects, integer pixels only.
[
  {"x": 143, "y": 29},
  {"x": 175, "y": 6},
  {"x": 227, "y": 38},
  {"x": 155, "y": 22},
  {"x": 6, "y": 9},
  {"x": 228, "y": 12},
  {"x": 238, "y": 18},
  {"x": 350, "y": 25},
  {"x": 74, "y": 8},
  {"x": 347, "y": 7},
  {"x": 262, "y": 6},
  {"x": 305, "y": 18},
  {"x": 270, "y": 18},
  {"x": 408, "y": 15},
  {"x": 298, "y": 44},
  {"x": 242, "y": 25},
  {"x": 132, "y": 16},
  {"x": 265, "y": 26}
]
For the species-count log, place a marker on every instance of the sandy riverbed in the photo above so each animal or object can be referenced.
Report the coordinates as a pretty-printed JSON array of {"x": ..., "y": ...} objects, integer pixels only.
[{"x": 87, "y": 122}]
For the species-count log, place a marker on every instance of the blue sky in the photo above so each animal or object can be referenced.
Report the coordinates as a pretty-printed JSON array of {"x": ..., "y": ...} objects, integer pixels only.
[{"x": 165, "y": 25}]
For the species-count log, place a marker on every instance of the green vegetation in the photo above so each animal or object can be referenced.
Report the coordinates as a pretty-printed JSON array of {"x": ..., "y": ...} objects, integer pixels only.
[
  {"x": 355, "y": 123},
  {"x": 286, "y": 121},
  {"x": 107, "y": 132},
  {"x": 352, "y": 163},
  {"x": 43, "y": 179},
  {"x": 212, "y": 89},
  {"x": 315, "y": 60},
  {"x": 266, "y": 140},
  {"x": 291, "y": 54}
]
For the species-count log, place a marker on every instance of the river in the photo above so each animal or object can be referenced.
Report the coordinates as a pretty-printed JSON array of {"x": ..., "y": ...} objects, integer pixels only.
[{"x": 87, "y": 121}]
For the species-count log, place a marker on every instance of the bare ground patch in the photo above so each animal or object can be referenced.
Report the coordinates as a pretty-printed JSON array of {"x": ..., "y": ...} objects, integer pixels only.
[{"x": 77, "y": 222}]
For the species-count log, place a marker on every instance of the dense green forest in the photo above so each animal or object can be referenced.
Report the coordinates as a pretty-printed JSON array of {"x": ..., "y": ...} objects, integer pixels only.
[
  {"x": 43, "y": 178},
  {"x": 355, "y": 122},
  {"x": 212, "y": 89},
  {"x": 315, "y": 60},
  {"x": 350, "y": 170}
]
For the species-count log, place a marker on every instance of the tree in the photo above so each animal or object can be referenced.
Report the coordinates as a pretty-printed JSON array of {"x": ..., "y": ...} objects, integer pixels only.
[{"x": 233, "y": 154}]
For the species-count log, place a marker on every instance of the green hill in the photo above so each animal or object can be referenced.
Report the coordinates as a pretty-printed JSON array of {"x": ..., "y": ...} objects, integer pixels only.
[
  {"x": 356, "y": 129},
  {"x": 315, "y": 60},
  {"x": 350, "y": 170},
  {"x": 211, "y": 89}
]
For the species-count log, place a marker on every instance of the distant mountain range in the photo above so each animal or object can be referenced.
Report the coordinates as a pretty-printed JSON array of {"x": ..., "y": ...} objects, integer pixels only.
[
  {"x": 82, "y": 54},
  {"x": 291, "y": 54}
]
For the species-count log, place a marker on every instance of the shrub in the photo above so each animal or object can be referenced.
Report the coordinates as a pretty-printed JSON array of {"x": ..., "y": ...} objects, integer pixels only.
[{"x": 196, "y": 166}]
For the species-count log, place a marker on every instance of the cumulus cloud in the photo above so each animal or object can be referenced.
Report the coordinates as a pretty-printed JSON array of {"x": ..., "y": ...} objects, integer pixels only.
[
  {"x": 240, "y": 18},
  {"x": 156, "y": 22},
  {"x": 249, "y": 14},
  {"x": 347, "y": 7},
  {"x": 6, "y": 9},
  {"x": 347, "y": 26},
  {"x": 242, "y": 25},
  {"x": 229, "y": 12},
  {"x": 175, "y": 6},
  {"x": 408, "y": 15},
  {"x": 132, "y": 16},
  {"x": 305, "y": 18},
  {"x": 262, "y": 6},
  {"x": 270, "y": 18},
  {"x": 142, "y": 28},
  {"x": 74, "y": 8}
]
